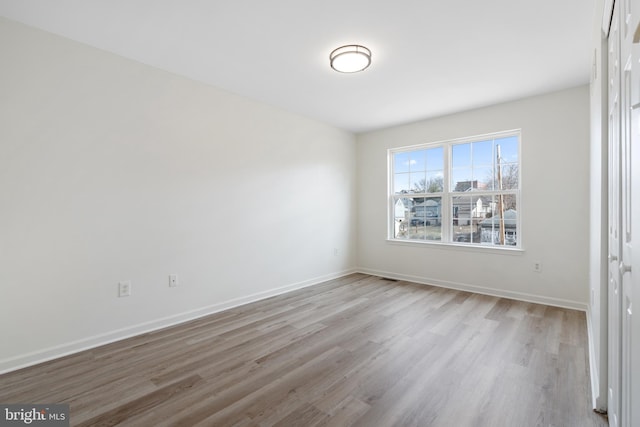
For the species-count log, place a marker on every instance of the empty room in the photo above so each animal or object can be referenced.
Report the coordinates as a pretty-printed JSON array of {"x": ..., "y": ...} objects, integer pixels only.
[{"x": 319, "y": 213}]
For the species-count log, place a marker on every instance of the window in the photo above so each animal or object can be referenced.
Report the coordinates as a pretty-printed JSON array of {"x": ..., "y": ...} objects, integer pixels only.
[{"x": 465, "y": 191}]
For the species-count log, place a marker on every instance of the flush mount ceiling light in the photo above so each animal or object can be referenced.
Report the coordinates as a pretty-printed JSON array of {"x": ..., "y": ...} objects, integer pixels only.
[{"x": 350, "y": 58}]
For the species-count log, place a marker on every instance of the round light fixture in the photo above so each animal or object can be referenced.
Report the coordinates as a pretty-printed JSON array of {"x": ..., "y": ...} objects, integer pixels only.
[{"x": 350, "y": 58}]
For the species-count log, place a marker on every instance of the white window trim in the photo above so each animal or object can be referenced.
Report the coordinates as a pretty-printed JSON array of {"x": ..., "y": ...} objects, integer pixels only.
[{"x": 446, "y": 241}]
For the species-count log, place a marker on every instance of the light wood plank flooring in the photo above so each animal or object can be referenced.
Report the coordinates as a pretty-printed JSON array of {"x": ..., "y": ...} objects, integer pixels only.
[{"x": 359, "y": 350}]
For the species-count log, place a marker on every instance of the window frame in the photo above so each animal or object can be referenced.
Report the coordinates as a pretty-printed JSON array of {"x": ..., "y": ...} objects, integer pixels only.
[{"x": 447, "y": 195}]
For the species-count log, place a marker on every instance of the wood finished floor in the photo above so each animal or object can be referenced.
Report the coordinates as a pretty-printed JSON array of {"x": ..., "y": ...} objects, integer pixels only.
[{"x": 359, "y": 351}]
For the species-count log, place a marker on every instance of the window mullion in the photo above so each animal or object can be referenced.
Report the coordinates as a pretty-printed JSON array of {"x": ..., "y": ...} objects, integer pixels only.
[{"x": 446, "y": 196}]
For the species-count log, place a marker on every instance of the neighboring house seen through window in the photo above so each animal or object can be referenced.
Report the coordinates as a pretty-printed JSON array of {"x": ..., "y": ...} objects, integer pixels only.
[{"x": 463, "y": 191}]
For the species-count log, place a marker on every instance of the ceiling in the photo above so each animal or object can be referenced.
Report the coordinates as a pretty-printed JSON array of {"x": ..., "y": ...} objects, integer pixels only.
[{"x": 430, "y": 58}]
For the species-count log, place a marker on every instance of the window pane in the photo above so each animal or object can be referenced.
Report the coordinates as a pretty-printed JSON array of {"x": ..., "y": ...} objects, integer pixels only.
[
  {"x": 435, "y": 182},
  {"x": 496, "y": 231},
  {"x": 418, "y": 160},
  {"x": 435, "y": 159},
  {"x": 461, "y": 180},
  {"x": 482, "y": 153},
  {"x": 482, "y": 178},
  {"x": 509, "y": 201},
  {"x": 467, "y": 211},
  {"x": 461, "y": 172},
  {"x": 401, "y": 162},
  {"x": 418, "y": 218},
  {"x": 509, "y": 177},
  {"x": 402, "y": 208},
  {"x": 425, "y": 222},
  {"x": 508, "y": 148},
  {"x": 401, "y": 183},
  {"x": 417, "y": 182},
  {"x": 461, "y": 155}
]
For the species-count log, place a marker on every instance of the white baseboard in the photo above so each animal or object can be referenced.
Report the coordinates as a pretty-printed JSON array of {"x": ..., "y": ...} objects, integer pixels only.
[
  {"x": 593, "y": 366},
  {"x": 598, "y": 397},
  {"x": 44, "y": 355},
  {"x": 520, "y": 296}
]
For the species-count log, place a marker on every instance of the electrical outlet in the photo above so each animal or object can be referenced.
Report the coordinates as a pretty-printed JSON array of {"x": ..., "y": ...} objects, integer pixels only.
[
  {"x": 124, "y": 289},
  {"x": 537, "y": 266},
  {"x": 173, "y": 280}
]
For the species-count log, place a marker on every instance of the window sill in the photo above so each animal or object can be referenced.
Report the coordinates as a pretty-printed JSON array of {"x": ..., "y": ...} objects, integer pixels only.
[{"x": 458, "y": 247}]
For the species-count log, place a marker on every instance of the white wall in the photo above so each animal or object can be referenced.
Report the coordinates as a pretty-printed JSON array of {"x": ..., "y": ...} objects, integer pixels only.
[
  {"x": 555, "y": 203},
  {"x": 112, "y": 170},
  {"x": 598, "y": 245}
]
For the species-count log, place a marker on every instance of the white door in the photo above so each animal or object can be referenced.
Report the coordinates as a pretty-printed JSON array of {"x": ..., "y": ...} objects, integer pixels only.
[
  {"x": 631, "y": 279},
  {"x": 630, "y": 203},
  {"x": 624, "y": 140},
  {"x": 614, "y": 293},
  {"x": 629, "y": 98}
]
